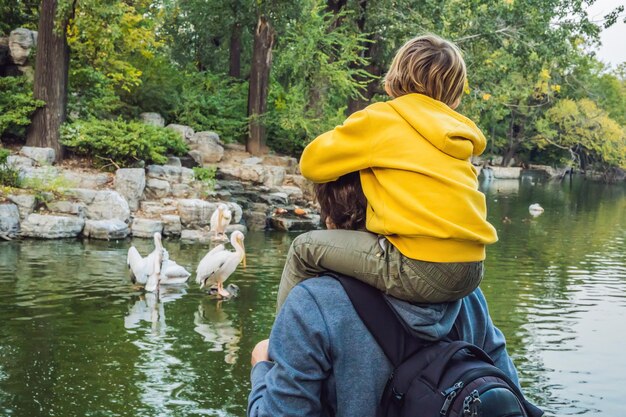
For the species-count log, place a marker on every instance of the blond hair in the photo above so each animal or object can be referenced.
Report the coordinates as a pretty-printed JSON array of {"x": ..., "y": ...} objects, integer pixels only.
[{"x": 427, "y": 65}]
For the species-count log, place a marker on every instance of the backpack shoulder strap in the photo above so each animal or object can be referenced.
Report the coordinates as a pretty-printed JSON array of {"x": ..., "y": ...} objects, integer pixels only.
[{"x": 379, "y": 319}]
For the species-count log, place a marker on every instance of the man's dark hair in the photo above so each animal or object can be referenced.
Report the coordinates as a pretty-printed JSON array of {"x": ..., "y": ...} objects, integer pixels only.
[{"x": 343, "y": 202}]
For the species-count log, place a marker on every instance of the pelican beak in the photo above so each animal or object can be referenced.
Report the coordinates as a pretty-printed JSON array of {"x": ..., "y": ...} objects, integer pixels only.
[
  {"x": 244, "y": 253},
  {"x": 244, "y": 261}
]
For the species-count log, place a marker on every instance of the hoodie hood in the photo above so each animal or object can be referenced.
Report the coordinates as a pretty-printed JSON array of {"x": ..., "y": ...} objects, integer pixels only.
[
  {"x": 447, "y": 130},
  {"x": 426, "y": 321}
]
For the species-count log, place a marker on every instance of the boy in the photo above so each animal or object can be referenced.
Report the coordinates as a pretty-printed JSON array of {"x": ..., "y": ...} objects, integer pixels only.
[{"x": 425, "y": 216}]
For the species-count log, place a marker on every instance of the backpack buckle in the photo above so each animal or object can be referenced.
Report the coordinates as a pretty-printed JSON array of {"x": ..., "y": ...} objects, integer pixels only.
[{"x": 397, "y": 395}]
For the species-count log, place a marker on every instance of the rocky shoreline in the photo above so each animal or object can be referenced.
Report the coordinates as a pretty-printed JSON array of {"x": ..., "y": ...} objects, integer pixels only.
[{"x": 262, "y": 193}]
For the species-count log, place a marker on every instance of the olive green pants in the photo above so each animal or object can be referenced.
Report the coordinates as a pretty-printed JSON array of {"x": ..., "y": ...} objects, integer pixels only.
[{"x": 375, "y": 261}]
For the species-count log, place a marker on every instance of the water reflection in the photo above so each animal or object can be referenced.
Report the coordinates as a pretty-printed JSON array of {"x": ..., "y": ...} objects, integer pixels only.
[
  {"x": 214, "y": 325},
  {"x": 149, "y": 307}
]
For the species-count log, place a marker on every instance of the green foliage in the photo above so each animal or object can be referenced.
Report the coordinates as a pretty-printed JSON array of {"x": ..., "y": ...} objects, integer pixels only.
[
  {"x": 16, "y": 105},
  {"x": 18, "y": 13},
  {"x": 585, "y": 130},
  {"x": 205, "y": 175},
  {"x": 91, "y": 95},
  {"x": 214, "y": 102},
  {"x": 9, "y": 176},
  {"x": 122, "y": 144}
]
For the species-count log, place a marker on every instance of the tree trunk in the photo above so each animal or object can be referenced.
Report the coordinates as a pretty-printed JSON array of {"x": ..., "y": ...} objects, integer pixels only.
[
  {"x": 51, "y": 75},
  {"x": 234, "y": 69},
  {"x": 259, "y": 85}
]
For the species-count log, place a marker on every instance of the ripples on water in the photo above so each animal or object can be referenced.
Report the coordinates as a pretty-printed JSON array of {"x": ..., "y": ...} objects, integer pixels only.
[{"x": 77, "y": 339}]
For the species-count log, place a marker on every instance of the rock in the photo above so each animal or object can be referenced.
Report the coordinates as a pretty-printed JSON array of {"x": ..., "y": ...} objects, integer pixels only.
[
  {"x": 51, "y": 227},
  {"x": 275, "y": 199},
  {"x": 146, "y": 227},
  {"x": 151, "y": 118},
  {"x": 108, "y": 204},
  {"x": 156, "y": 189},
  {"x": 21, "y": 41},
  {"x": 307, "y": 187},
  {"x": 86, "y": 179},
  {"x": 236, "y": 211},
  {"x": 83, "y": 194},
  {"x": 274, "y": 176},
  {"x": 289, "y": 163},
  {"x": 185, "y": 132},
  {"x": 183, "y": 191},
  {"x": 188, "y": 161},
  {"x": 171, "y": 225},
  {"x": 255, "y": 160},
  {"x": 240, "y": 227},
  {"x": 171, "y": 174},
  {"x": 294, "y": 194},
  {"x": 156, "y": 209},
  {"x": 252, "y": 173},
  {"x": 76, "y": 208},
  {"x": 9, "y": 220},
  {"x": 550, "y": 171},
  {"x": 195, "y": 236},
  {"x": 299, "y": 223},
  {"x": 506, "y": 173},
  {"x": 195, "y": 213},
  {"x": 131, "y": 183},
  {"x": 255, "y": 220},
  {"x": 18, "y": 161},
  {"x": 106, "y": 229},
  {"x": 208, "y": 145},
  {"x": 173, "y": 161},
  {"x": 25, "y": 203},
  {"x": 43, "y": 156},
  {"x": 43, "y": 174}
]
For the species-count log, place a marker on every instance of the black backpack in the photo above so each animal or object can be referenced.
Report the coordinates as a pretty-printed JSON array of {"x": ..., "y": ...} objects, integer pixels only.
[{"x": 434, "y": 379}]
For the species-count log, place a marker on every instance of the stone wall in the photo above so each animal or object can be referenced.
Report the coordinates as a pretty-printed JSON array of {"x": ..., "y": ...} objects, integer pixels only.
[{"x": 260, "y": 192}]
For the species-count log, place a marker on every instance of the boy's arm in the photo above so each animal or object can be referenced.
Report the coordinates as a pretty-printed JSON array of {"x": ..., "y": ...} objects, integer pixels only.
[{"x": 345, "y": 149}]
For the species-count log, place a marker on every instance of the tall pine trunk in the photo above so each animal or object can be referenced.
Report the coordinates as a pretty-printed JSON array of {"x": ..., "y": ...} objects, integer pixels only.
[
  {"x": 51, "y": 78},
  {"x": 259, "y": 86}
]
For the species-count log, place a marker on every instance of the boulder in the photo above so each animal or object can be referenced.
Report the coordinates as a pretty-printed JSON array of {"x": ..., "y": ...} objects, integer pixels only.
[
  {"x": 274, "y": 176},
  {"x": 44, "y": 174},
  {"x": 255, "y": 220},
  {"x": 21, "y": 41},
  {"x": 183, "y": 191},
  {"x": 86, "y": 179},
  {"x": 9, "y": 220},
  {"x": 170, "y": 173},
  {"x": 195, "y": 213},
  {"x": 185, "y": 132},
  {"x": 25, "y": 203},
  {"x": 171, "y": 225},
  {"x": 146, "y": 227},
  {"x": 311, "y": 222},
  {"x": 207, "y": 147},
  {"x": 106, "y": 229},
  {"x": 506, "y": 173},
  {"x": 173, "y": 161},
  {"x": 83, "y": 194},
  {"x": 236, "y": 211},
  {"x": 156, "y": 189},
  {"x": 76, "y": 208},
  {"x": 195, "y": 236},
  {"x": 18, "y": 161},
  {"x": 254, "y": 160},
  {"x": 108, "y": 204},
  {"x": 156, "y": 209},
  {"x": 252, "y": 173},
  {"x": 289, "y": 163},
  {"x": 151, "y": 118},
  {"x": 240, "y": 227},
  {"x": 275, "y": 199},
  {"x": 130, "y": 183},
  {"x": 51, "y": 227},
  {"x": 43, "y": 156},
  {"x": 307, "y": 187}
]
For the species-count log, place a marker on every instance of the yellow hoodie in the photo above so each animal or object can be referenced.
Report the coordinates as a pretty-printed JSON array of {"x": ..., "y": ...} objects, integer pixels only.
[{"x": 422, "y": 191}]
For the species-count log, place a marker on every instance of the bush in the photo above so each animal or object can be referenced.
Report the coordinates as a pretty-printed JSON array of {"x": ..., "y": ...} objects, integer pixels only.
[
  {"x": 121, "y": 144},
  {"x": 214, "y": 102},
  {"x": 205, "y": 175},
  {"x": 16, "y": 105},
  {"x": 91, "y": 95},
  {"x": 9, "y": 176}
]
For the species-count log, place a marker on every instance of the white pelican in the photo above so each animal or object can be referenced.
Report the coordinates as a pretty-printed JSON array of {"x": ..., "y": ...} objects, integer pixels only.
[
  {"x": 219, "y": 264},
  {"x": 220, "y": 219},
  {"x": 142, "y": 268},
  {"x": 535, "y": 209}
]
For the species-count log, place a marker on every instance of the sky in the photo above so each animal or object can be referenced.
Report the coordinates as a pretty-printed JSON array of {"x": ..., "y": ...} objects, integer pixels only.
[{"x": 613, "y": 49}]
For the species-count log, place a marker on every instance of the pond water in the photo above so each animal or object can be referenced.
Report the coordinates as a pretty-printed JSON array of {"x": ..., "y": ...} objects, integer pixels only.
[{"x": 76, "y": 339}]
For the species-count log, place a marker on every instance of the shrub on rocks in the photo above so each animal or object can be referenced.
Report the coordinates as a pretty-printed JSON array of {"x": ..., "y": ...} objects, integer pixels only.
[{"x": 117, "y": 143}]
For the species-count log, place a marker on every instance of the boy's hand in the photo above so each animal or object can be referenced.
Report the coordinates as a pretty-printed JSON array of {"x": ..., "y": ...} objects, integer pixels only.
[{"x": 259, "y": 353}]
